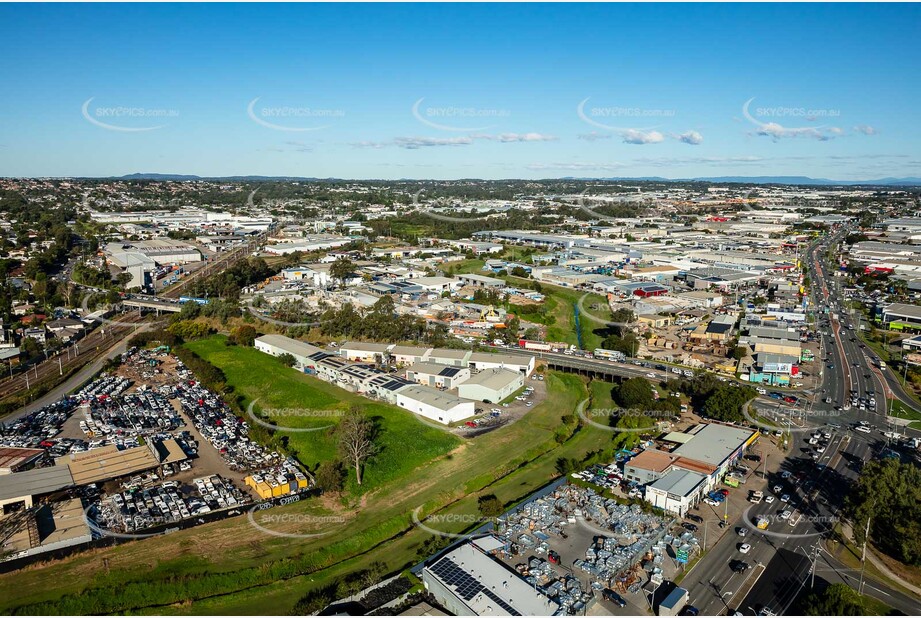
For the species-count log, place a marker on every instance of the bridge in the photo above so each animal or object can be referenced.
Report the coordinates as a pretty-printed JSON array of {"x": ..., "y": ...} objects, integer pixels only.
[{"x": 152, "y": 303}]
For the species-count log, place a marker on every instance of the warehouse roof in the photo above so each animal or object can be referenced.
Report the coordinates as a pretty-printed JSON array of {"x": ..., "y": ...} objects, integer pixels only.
[
  {"x": 12, "y": 458},
  {"x": 449, "y": 354},
  {"x": 495, "y": 379},
  {"x": 35, "y": 482},
  {"x": 475, "y": 578},
  {"x": 362, "y": 346},
  {"x": 652, "y": 459},
  {"x": 107, "y": 462},
  {"x": 408, "y": 350},
  {"x": 434, "y": 369},
  {"x": 901, "y": 309},
  {"x": 679, "y": 482},
  {"x": 431, "y": 397},
  {"x": 505, "y": 359},
  {"x": 292, "y": 346},
  {"x": 714, "y": 443}
]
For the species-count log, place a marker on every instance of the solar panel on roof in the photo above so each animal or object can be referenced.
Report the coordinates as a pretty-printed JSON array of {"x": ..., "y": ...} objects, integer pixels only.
[
  {"x": 466, "y": 586},
  {"x": 449, "y": 372}
]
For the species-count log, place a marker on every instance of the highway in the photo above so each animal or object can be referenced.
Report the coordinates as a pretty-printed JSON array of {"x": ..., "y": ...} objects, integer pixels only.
[{"x": 781, "y": 556}]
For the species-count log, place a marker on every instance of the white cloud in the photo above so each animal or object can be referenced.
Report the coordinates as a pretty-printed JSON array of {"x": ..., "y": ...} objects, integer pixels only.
[
  {"x": 509, "y": 138},
  {"x": 414, "y": 143},
  {"x": 691, "y": 137},
  {"x": 866, "y": 129},
  {"x": 637, "y": 136},
  {"x": 777, "y": 132}
]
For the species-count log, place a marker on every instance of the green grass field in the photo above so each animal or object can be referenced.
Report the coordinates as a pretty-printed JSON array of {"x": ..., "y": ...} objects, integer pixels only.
[
  {"x": 227, "y": 567},
  {"x": 405, "y": 441},
  {"x": 601, "y": 395},
  {"x": 561, "y": 302}
]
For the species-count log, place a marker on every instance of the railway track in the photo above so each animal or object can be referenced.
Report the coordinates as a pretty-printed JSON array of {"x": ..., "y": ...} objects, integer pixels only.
[
  {"x": 225, "y": 261},
  {"x": 91, "y": 347}
]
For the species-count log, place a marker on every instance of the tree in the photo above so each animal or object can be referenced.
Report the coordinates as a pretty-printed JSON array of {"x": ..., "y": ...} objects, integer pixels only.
[
  {"x": 739, "y": 352},
  {"x": 287, "y": 359},
  {"x": 490, "y": 506},
  {"x": 243, "y": 335},
  {"x": 341, "y": 270},
  {"x": 357, "y": 439},
  {"x": 836, "y": 600},
  {"x": 888, "y": 493},
  {"x": 633, "y": 393},
  {"x": 330, "y": 477}
]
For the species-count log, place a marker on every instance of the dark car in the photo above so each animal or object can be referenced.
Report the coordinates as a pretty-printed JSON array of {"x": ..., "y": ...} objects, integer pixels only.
[
  {"x": 689, "y": 527},
  {"x": 739, "y": 566},
  {"x": 696, "y": 518},
  {"x": 689, "y": 610},
  {"x": 609, "y": 595}
]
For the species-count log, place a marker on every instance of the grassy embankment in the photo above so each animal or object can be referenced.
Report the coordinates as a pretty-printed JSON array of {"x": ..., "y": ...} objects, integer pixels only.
[{"x": 229, "y": 567}]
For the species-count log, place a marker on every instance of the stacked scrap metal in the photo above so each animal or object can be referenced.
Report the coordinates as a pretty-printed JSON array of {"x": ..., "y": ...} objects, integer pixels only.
[{"x": 626, "y": 535}]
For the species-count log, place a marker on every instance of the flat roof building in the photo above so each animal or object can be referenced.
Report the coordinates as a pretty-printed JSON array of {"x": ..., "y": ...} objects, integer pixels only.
[
  {"x": 492, "y": 385},
  {"x": 438, "y": 406},
  {"x": 468, "y": 582}
]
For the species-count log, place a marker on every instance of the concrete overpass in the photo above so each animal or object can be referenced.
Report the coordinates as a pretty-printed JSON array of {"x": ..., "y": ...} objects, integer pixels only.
[{"x": 152, "y": 303}]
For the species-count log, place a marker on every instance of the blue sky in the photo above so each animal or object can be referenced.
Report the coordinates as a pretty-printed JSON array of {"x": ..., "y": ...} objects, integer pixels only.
[{"x": 461, "y": 91}]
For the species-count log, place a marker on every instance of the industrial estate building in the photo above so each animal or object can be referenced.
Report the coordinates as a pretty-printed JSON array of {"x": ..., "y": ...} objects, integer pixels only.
[
  {"x": 677, "y": 479},
  {"x": 433, "y": 371},
  {"x": 468, "y": 581}
]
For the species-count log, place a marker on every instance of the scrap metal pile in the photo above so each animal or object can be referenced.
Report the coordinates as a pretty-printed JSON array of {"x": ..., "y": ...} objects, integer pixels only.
[{"x": 624, "y": 534}]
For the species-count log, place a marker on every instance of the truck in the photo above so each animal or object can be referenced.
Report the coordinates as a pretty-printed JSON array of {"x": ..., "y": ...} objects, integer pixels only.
[
  {"x": 756, "y": 497},
  {"x": 674, "y": 602},
  {"x": 611, "y": 355},
  {"x": 761, "y": 522},
  {"x": 538, "y": 346}
]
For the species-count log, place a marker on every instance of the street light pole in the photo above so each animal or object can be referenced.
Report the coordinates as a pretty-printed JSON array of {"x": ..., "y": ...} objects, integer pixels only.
[{"x": 863, "y": 555}]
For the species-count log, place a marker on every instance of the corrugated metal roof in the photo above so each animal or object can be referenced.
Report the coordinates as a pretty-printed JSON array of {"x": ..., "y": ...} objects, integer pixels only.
[{"x": 35, "y": 482}]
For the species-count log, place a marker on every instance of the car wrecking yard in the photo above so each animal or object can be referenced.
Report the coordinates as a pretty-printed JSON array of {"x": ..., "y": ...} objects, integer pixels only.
[
  {"x": 142, "y": 449},
  {"x": 578, "y": 547}
]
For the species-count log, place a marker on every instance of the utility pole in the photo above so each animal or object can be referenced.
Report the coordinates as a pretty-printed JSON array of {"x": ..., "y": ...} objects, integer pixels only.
[{"x": 863, "y": 555}]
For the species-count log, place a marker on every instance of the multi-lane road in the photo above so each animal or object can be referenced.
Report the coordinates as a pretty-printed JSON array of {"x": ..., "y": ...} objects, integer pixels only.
[{"x": 781, "y": 557}]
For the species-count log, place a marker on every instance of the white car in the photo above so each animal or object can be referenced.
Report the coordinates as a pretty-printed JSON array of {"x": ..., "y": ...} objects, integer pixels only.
[
  {"x": 742, "y": 532},
  {"x": 744, "y": 548},
  {"x": 777, "y": 489},
  {"x": 785, "y": 515},
  {"x": 862, "y": 429},
  {"x": 768, "y": 499}
]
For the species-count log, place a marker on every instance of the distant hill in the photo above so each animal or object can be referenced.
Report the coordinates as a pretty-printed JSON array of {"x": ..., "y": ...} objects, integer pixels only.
[
  {"x": 180, "y": 177},
  {"x": 752, "y": 180},
  {"x": 783, "y": 180}
]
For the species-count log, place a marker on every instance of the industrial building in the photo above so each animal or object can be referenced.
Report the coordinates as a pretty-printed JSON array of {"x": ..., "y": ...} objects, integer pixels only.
[
  {"x": 467, "y": 581},
  {"x": 439, "y": 376},
  {"x": 492, "y": 385},
  {"x": 438, "y": 406},
  {"x": 677, "y": 491}
]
